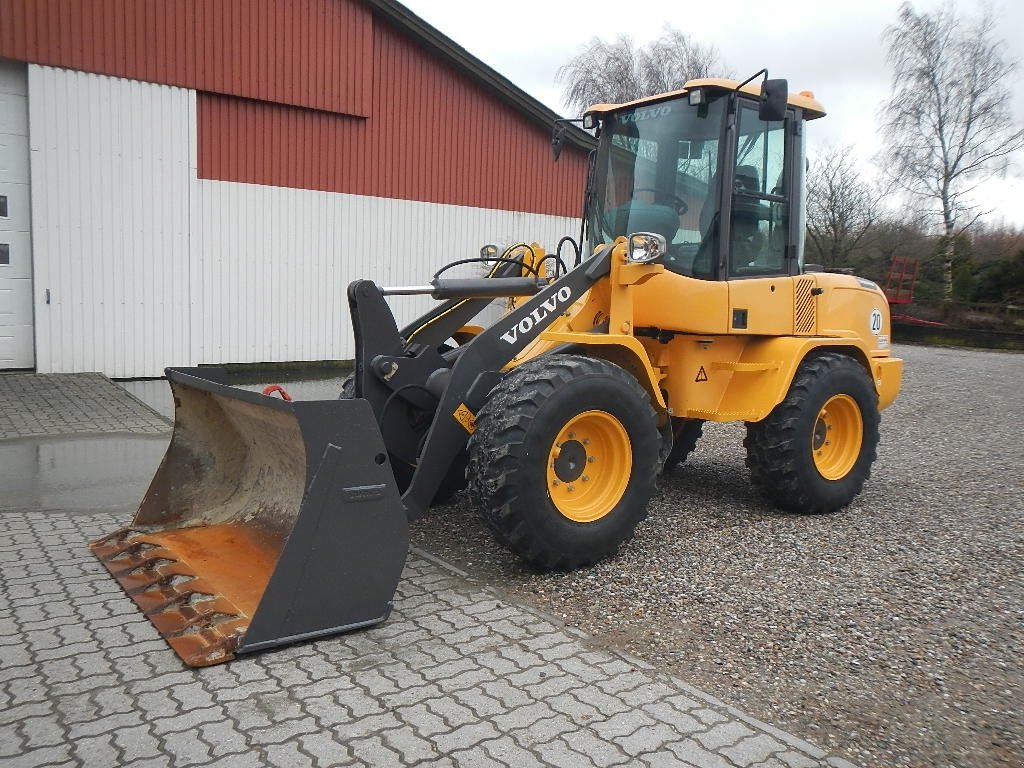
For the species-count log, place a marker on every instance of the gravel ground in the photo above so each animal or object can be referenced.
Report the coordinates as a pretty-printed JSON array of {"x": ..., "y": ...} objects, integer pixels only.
[{"x": 891, "y": 632}]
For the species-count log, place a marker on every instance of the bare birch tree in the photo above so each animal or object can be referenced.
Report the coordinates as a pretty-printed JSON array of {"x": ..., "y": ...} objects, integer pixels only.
[
  {"x": 841, "y": 207},
  {"x": 948, "y": 123},
  {"x": 619, "y": 71}
]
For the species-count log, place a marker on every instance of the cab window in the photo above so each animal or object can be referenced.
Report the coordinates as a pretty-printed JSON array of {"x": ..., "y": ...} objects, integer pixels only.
[
  {"x": 760, "y": 203},
  {"x": 657, "y": 171}
]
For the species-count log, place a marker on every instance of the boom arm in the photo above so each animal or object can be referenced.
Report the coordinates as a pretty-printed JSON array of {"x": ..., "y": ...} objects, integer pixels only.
[{"x": 387, "y": 367}]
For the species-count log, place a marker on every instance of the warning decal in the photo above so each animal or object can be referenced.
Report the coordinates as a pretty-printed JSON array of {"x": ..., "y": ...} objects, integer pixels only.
[
  {"x": 702, "y": 375},
  {"x": 465, "y": 417}
]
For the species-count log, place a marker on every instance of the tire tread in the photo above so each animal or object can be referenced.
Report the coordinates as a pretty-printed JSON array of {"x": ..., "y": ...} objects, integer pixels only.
[
  {"x": 496, "y": 447},
  {"x": 775, "y": 445}
]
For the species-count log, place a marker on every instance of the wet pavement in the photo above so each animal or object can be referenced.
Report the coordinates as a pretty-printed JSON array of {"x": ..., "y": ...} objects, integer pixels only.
[
  {"x": 80, "y": 473},
  {"x": 458, "y": 676},
  {"x": 75, "y": 443}
]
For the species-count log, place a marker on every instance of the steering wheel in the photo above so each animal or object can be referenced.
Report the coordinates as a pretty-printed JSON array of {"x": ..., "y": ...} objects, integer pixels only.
[{"x": 677, "y": 203}]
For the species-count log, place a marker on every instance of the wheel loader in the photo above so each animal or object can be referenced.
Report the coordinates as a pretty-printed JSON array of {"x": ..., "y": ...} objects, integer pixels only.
[{"x": 686, "y": 301}]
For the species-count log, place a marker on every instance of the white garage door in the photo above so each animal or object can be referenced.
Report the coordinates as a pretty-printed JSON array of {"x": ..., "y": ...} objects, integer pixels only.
[{"x": 16, "y": 337}]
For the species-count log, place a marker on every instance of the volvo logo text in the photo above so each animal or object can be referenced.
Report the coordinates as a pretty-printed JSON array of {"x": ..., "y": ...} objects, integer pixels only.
[{"x": 526, "y": 324}]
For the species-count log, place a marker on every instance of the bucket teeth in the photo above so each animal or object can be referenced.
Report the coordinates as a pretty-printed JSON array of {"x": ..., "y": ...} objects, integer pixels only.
[
  {"x": 202, "y": 626},
  {"x": 117, "y": 545},
  {"x": 182, "y": 618},
  {"x": 209, "y": 646},
  {"x": 171, "y": 578}
]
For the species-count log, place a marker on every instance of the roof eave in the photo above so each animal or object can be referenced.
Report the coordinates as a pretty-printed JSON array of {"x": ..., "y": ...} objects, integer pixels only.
[{"x": 470, "y": 65}]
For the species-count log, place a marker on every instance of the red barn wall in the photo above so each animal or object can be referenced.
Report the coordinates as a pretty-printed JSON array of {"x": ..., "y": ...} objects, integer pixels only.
[
  {"x": 312, "y": 94},
  {"x": 431, "y": 135},
  {"x": 311, "y": 53}
]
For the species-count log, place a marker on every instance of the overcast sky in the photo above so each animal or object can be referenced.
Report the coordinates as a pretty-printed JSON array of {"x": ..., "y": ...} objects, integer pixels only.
[{"x": 833, "y": 49}]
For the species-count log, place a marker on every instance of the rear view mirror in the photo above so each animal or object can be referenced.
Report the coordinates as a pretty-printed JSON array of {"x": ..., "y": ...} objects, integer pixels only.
[
  {"x": 774, "y": 97},
  {"x": 557, "y": 140}
]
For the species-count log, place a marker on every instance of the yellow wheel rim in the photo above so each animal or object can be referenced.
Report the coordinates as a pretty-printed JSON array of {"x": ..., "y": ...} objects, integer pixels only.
[
  {"x": 838, "y": 435},
  {"x": 589, "y": 466}
]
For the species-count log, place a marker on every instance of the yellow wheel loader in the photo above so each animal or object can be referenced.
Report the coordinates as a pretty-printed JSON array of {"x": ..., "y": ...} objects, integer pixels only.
[{"x": 270, "y": 522}]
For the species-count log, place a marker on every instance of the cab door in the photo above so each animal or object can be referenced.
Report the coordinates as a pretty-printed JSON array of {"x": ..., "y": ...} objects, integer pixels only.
[
  {"x": 757, "y": 262},
  {"x": 17, "y": 340}
]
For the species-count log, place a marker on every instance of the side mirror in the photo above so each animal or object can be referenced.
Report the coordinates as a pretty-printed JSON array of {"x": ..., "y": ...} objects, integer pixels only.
[
  {"x": 557, "y": 140},
  {"x": 774, "y": 97}
]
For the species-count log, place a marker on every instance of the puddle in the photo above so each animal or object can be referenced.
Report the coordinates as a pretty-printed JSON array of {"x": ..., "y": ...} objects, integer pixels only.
[
  {"x": 79, "y": 473},
  {"x": 85, "y": 473}
]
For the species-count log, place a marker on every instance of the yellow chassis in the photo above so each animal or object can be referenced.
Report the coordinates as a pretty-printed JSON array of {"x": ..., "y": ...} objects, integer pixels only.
[{"x": 696, "y": 365}]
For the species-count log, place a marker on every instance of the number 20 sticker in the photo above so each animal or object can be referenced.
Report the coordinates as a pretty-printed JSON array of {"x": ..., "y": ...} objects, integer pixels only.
[{"x": 876, "y": 321}]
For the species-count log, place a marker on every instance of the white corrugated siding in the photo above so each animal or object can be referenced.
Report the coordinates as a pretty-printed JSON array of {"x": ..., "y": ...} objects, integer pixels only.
[
  {"x": 150, "y": 266},
  {"x": 275, "y": 263},
  {"x": 110, "y": 214}
]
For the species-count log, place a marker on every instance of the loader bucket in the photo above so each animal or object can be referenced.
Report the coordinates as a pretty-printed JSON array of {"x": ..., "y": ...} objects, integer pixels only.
[{"x": 268, "y": 522}]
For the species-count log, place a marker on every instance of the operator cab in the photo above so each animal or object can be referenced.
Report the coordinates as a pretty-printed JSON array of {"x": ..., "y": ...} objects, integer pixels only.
[{"x": 659, "y": 166}]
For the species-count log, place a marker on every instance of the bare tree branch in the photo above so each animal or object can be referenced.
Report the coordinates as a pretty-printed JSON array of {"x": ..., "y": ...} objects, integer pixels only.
[
  {"x": 948, "y": 122},
  {"x": 619, "y": 71},
  {"x": 841, "y": 208}
]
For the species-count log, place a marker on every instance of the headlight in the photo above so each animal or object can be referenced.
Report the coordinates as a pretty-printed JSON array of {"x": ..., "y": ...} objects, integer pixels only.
[{"x": 645, "y": 247}]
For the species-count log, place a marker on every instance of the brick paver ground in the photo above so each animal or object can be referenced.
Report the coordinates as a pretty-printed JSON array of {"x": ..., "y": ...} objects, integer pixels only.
[
  {"x": 42, "y": 405},
  {"x": 458, "y": 676}
]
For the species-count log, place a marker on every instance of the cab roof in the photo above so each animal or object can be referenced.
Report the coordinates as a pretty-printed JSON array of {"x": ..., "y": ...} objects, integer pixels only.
[{"x": 804, "y": 100}]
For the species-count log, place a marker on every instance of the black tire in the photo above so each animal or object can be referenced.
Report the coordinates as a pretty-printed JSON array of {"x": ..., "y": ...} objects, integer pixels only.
[
  {"x": 508, "y": 472},
  {"x": 685, "y": 434},
  {"x": 783, "y": 451},
  {"x": 348, "y": 387}
]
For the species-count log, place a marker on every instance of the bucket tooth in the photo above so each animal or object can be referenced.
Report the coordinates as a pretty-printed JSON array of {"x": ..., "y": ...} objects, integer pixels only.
[
  {"x": 119, "y": 544},
  {"x": 159, "y": 598},
  {"x": 209, "y": 646},
  {"x": 173, "y": 579},
  {"x": 177, "y": 619},
  {"x": 138, "y": 557}
]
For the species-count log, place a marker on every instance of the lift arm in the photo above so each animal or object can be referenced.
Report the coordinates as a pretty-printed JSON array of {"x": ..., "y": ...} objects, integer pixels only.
[{"x": 387, "y": 367}]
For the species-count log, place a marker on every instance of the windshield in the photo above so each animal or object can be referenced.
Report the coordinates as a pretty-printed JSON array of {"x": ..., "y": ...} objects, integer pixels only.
[{"x": 656, "y": 171}]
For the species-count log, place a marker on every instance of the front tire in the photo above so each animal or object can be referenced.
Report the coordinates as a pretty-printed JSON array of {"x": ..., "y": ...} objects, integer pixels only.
[
  {"x": 814, "y": 451},
  {"x": 563, "y": 461}
]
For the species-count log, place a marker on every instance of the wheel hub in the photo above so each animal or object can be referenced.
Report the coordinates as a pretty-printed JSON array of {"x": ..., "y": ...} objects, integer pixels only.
[
  {"x": 837, "y": 437},
  {"x": 571, "y": 461},
  {"x": 589, "y": 466}
]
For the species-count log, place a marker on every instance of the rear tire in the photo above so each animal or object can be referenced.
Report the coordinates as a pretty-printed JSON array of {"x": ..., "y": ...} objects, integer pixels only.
[
  {"x": 685, "y": 434},
  {"x": 563, "y": 461},
  {"x": 814, "y": 451}
]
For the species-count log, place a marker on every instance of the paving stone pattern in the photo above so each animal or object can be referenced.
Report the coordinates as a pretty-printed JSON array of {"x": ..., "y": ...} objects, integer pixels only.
[
  {"x": 44, "y": 405},
  {"x": 456, "y": 677}
]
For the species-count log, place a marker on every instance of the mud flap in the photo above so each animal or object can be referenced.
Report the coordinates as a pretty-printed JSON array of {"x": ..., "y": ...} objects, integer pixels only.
[{"x": 267, "y": 523}]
